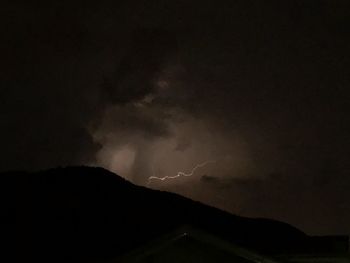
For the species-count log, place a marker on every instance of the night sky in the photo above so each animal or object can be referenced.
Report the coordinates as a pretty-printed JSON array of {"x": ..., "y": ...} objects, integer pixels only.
[{"x": 259, "y": 89}]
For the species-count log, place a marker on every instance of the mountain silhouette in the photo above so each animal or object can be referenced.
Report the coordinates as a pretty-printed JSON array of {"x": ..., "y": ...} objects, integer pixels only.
[{"x": 91, "y": 214}]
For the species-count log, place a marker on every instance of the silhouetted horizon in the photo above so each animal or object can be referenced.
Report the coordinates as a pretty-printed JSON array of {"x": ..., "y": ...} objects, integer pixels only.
[{"x": 91, "y": 212}]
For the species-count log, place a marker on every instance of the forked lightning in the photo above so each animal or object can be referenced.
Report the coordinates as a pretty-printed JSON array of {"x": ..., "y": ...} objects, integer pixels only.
[{"x": 179, "y": 174}]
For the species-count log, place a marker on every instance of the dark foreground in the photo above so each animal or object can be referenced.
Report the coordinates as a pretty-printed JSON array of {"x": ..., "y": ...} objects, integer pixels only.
[{"x": 92, "y": 215}]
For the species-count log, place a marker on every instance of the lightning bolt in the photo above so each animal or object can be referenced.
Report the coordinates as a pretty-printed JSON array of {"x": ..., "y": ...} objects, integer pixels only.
[{"x": 179, "y": 174}]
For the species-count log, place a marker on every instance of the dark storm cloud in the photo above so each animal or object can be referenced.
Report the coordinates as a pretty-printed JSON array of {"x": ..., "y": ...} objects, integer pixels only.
[
  {"x": 132, "y": 121},
  {"x": 145, "y": 58},
  {"x": 42, "y": 112},
  {"x": 58, "y": 79},
  {"x": 209, "y": 179}
]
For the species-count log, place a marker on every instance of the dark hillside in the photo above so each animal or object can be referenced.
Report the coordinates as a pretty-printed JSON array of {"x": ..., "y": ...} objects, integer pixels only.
[{"x": 82, "y": 212}]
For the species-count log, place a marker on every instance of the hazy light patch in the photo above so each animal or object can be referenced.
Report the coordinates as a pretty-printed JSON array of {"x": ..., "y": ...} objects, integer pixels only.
[
  {"x": 141, "y": 149},
  {"x": 119, "y": 160},
  {"x": 123, "y": 160},
  {"x": 194, "y": 149}
]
